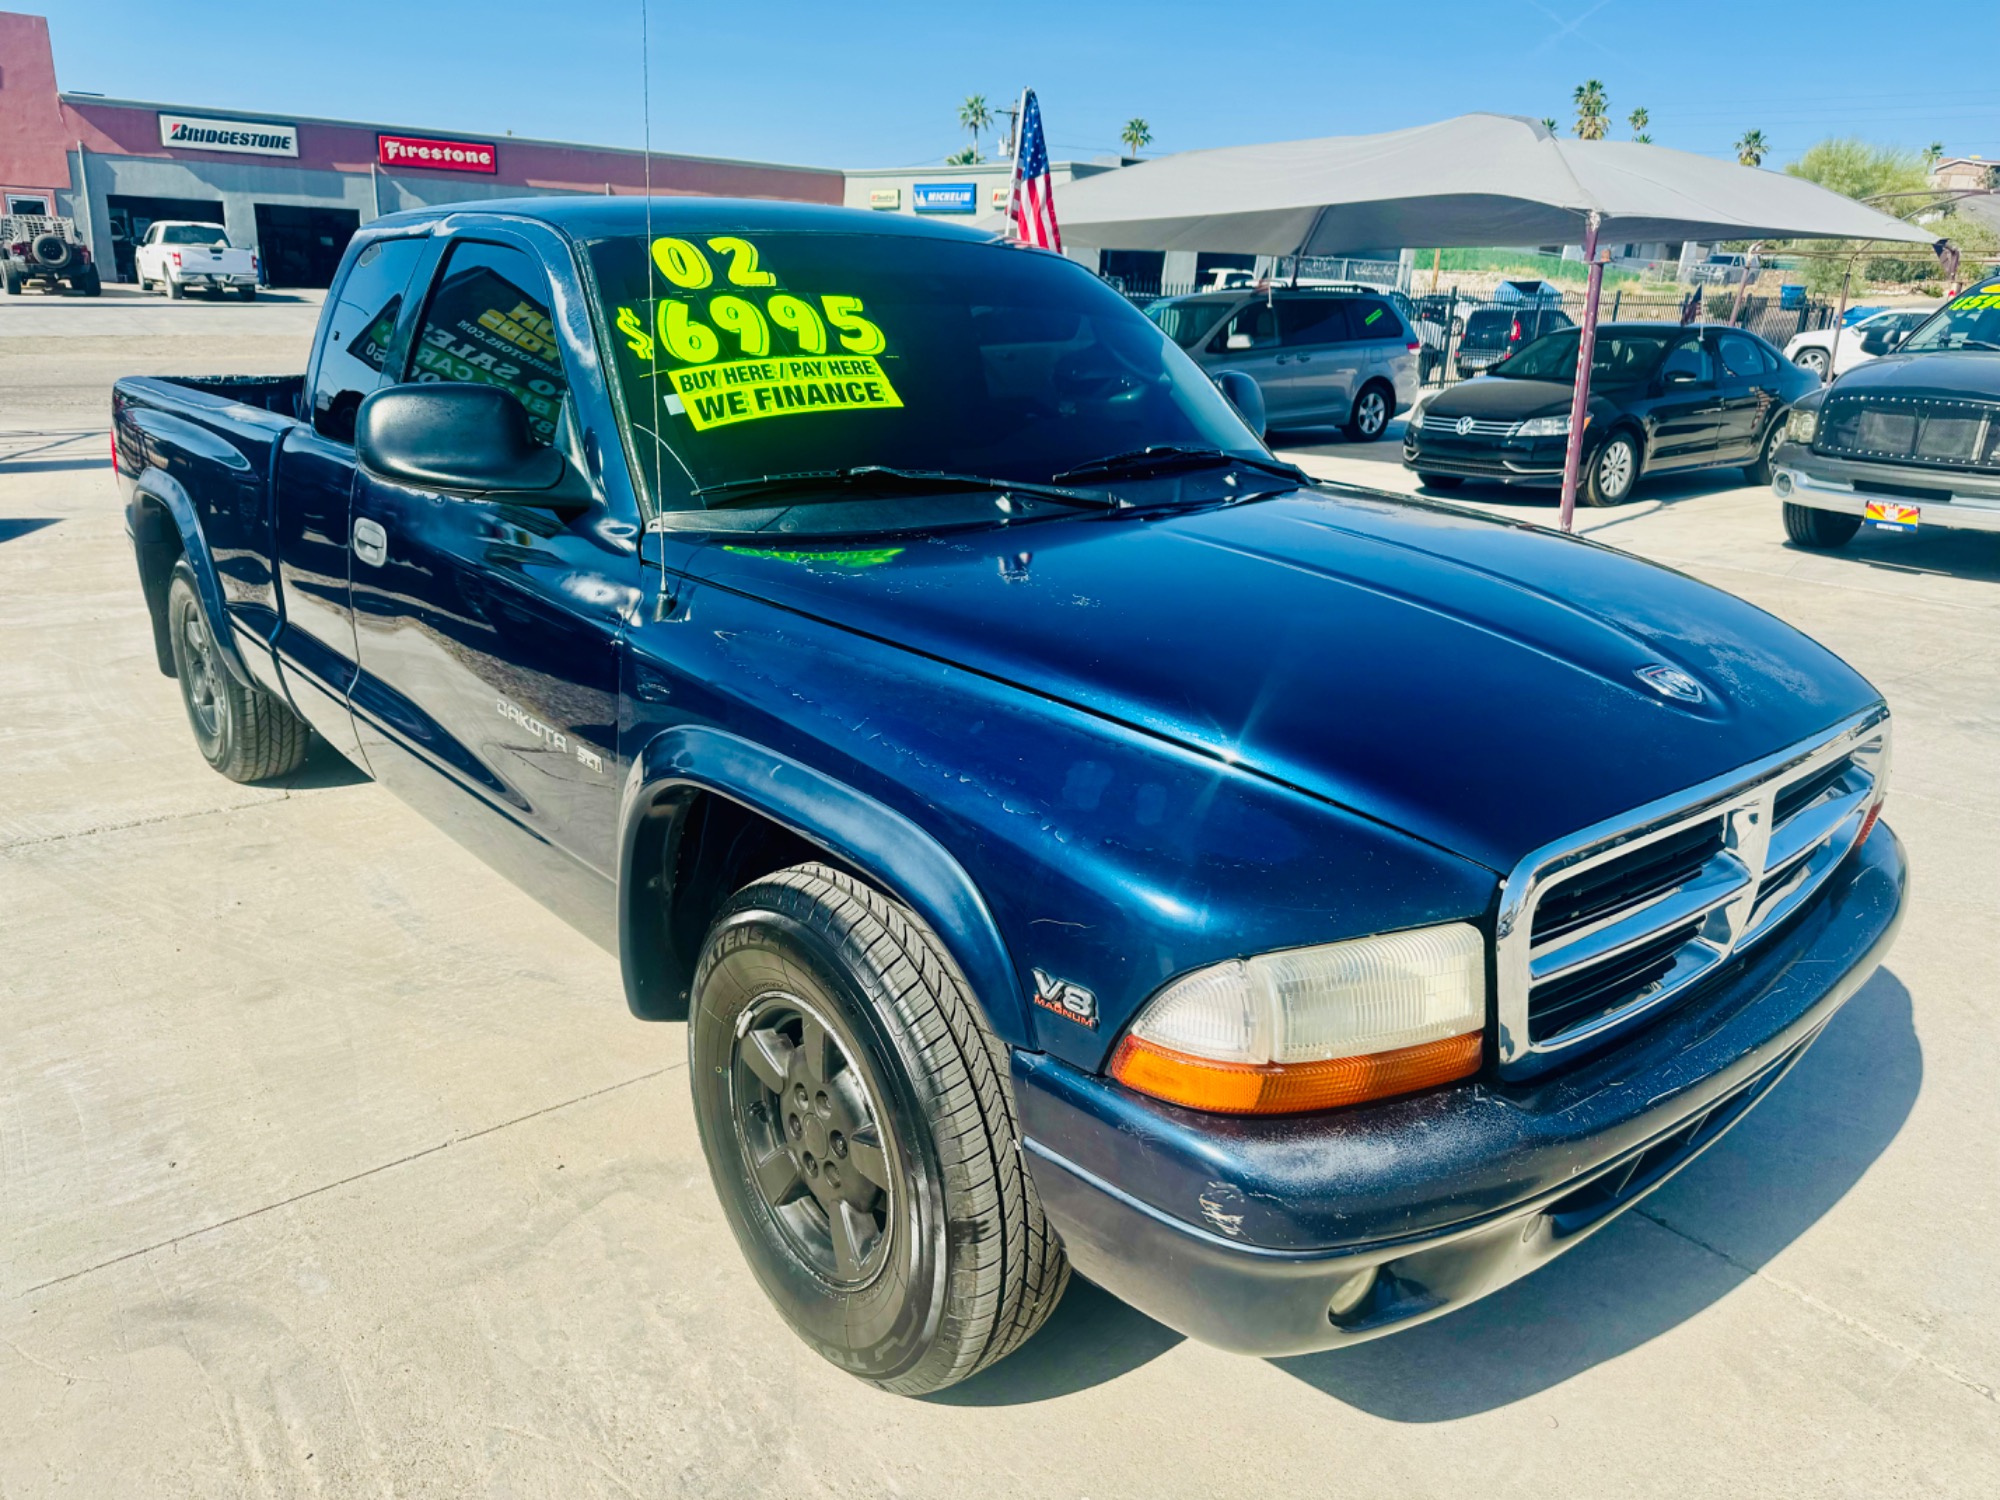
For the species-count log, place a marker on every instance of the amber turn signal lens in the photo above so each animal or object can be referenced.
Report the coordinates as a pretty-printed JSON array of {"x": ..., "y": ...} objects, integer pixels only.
[{"x": 1292, "y": 1088}]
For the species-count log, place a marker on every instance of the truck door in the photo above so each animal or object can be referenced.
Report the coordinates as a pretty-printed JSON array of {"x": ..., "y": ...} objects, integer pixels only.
[
  {"x": 315, "y": 479},
  {"x": 487, "y": 632}
]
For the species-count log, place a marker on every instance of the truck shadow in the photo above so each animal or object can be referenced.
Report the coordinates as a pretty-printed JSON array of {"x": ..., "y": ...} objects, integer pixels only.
[
  {"x": 1688, "y": 1245},
  {"x": 324, "y": 767},
  {"x": 13, "y": 527}
]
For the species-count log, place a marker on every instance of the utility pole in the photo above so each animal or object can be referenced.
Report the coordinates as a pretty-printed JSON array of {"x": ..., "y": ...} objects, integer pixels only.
[{"x": 1013, "y": 118}]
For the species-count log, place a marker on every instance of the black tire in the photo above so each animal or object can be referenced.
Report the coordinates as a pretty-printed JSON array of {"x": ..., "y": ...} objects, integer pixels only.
[
  {"x": 1821, "y": 530},
  {"x": 90, "y": 283},
  {"x": 1758, "y": 470},
  {"x": 1373, "y": 407},
  {"x": 12, "y": 281},
  {"x": 1440, "y": 481},
  {"x": 247, "y": 293},
  {"x": 1612, "y": 471},
  {"x": 175, "y": 291},
  {"x": 244, "y": 733},
  {"x": 848, "y": 1005}
]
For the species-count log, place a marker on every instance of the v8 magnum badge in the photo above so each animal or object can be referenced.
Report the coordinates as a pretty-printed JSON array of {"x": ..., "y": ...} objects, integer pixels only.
[{"x": 1070, "y": 1001}]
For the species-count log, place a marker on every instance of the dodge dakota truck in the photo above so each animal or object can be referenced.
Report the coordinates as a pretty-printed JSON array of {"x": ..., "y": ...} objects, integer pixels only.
[
  {"x": 1911, "y": 438},
  {"x": 1072, "y": 837}
]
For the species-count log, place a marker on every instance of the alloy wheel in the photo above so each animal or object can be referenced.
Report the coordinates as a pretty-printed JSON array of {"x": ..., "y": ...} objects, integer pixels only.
[
  {"x": 204, "y": 691},
  {"x": 1374, "y": 413},
  {"x": 812, "y": 1140},
  {"x": 1614, "y": 469}
]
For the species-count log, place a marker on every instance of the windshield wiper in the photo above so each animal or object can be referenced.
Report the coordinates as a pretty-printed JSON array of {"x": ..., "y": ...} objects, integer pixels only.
[
  {"x": 1162, "y": 458},
  {"x": 736, "y": 492}
]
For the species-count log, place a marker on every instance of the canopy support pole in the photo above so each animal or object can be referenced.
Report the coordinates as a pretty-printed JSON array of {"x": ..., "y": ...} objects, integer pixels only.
[{"x": 1586, "y": 355}]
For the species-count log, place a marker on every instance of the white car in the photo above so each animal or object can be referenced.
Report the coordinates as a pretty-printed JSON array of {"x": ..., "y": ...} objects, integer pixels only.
[
  {"x": 1809, "y": 351},
  {"x": 175, "y": 255}
]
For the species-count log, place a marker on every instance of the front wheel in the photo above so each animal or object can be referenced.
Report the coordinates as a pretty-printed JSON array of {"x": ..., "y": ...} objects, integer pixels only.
[
  {"x": 1613, "y": 471},
  {"x": 859, "y": 1128},
  {"x": 1821, "y": 530},
  {"x": 243, "y": 732},
  {"x": 1372, "y": 410}
]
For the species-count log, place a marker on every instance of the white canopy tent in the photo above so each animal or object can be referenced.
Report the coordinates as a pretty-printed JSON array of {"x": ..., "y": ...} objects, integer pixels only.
[{"x": 1479, "y": 179}]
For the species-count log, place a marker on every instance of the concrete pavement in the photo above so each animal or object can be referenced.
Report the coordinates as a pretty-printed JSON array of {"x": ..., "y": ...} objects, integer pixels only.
[{"x": 332, "y": 1164}]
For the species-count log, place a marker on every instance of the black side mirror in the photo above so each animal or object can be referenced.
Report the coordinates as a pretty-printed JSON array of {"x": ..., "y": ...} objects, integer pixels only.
[
  {"x": 1879, "y": 341},
  {"x": 1246, "y": 396},
  {"x": 461, "y": 436}
]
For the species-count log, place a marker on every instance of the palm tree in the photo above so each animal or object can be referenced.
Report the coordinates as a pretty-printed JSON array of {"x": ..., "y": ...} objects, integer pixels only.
[
  {"x": 1137, "y": 136},
  {"x": 1549, "y": 124},
  {"x": 1639, "y": 120},
  {"x": 1751, "y": 147},
  {"x": 973, "y": 115},
  {"x": 1933, "y": 154},
  {"x": 1592, "y": 123},
  {"x": 965, "y": 156}
]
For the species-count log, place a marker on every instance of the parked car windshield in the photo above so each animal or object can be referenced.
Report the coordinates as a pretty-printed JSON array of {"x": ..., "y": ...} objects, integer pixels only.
[
  {"x": 194, "y": 234},
  {"x": 1185, "y": 320},
  {"x": 742, "y": 356},
  {"x": 1620, "y": 356},
  {"x": 1971, "y": 321}
]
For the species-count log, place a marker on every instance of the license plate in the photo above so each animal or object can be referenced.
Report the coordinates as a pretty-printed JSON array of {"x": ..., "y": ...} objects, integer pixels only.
[{"x": 1891, "y": 515}]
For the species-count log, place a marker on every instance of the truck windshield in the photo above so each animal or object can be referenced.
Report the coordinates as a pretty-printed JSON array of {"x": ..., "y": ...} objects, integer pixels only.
[
  {"x": 1971, "y": 321},
  {"x": 194, "y": 234},
  {"x": 741, "y": 356}
]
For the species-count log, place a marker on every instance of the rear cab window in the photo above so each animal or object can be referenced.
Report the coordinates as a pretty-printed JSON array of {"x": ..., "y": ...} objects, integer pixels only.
[
  {"x": 488, "y": 322},
  {"x": 355, "y": 347}
]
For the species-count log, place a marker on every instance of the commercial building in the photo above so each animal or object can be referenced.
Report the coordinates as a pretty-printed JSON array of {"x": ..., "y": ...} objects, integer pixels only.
[{"x": 293, "y": 187}]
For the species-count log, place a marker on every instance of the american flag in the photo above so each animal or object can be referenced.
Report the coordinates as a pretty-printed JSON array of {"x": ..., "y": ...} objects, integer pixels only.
[{"x": 1032, "y": 206}]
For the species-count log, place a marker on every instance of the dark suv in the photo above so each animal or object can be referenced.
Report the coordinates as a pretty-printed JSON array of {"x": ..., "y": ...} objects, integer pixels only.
[{"x": 1493, "y": 333}]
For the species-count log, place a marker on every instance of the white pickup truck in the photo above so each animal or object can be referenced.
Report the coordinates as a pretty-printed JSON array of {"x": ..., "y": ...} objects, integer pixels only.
[{"x": 175, "y": 256}]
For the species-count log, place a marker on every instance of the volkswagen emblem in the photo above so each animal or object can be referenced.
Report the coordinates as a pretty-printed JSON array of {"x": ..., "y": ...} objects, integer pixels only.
[
  {"x": 1670, "y": 682},
  {"x": 1464, "y": 428}
]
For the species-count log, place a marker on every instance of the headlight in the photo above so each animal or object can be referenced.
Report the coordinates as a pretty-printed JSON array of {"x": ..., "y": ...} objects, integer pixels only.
[
  {"x": 1313, "y": 1028},
  {"x": 1800, "y": 426},
  {"x": 1545, "y": 427}
]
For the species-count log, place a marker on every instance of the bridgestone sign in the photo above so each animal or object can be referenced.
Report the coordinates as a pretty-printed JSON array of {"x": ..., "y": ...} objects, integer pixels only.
[{"x": 245, "y": 137}]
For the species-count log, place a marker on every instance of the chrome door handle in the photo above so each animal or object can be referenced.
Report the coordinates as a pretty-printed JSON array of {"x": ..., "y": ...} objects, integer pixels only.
[{"x": 371, "y": 542}]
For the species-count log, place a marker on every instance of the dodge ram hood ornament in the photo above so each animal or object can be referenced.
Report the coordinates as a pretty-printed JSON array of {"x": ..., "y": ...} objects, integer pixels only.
[{"x": 1671, "y": 682}]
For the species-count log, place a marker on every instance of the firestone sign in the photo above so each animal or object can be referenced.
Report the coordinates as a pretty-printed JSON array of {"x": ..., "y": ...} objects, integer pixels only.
[
  {"x": 245, "y": 137},
  {"x": 434, "y": 155}
]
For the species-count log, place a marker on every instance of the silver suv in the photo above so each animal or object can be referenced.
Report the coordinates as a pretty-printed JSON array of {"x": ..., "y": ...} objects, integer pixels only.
[{"x": 1319, "y": 357}]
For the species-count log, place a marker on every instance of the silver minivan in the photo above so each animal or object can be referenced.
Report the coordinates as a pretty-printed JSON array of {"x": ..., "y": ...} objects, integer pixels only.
[{"x": 1321, "y": 358}]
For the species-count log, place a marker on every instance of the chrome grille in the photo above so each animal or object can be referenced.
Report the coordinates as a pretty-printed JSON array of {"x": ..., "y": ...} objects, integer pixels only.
[
  {"x": 1910, "y": 429},
  {"x": 1441, "y": 426},
  {"x": 1597, "y": 930}
]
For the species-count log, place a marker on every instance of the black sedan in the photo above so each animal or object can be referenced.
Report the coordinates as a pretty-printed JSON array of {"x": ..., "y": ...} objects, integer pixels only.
[{"x": 1664, "y": 399}]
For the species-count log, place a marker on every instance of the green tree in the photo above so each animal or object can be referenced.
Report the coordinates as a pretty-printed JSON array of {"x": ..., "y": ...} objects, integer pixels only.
[
  {"x": 1593, "y": 120},
  {"x": 973, "y": 115},
  {"x": 1886, "y": 177},
  {"x": 1933, "y": 154},
  {"x": 1751, "y": 148},
  {"x": 1549, "y": 124},
  {"x": 1639, "y": 119},
  {"x": 965, "y": 156},
  {"x": 1137, "y": 136}
]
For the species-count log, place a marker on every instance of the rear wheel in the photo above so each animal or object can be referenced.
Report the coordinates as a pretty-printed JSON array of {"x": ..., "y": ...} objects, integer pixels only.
[
  {"x": 247, "y": 293},
  {"x": 175, "y": 291},
  {"x": 243, "y": 732},
  {"x": 1821, "y": 530},
  {"x": 1758, "y": 470},
  {"x": 90, "y": 284},
  {"x": 1372, "y": 410},
  {"x": 859, "y": 1128},
  {"x": 12, "y": 281},
  {"x": 1814, "y": 360},
  {"x": 1613, "y": 470}
]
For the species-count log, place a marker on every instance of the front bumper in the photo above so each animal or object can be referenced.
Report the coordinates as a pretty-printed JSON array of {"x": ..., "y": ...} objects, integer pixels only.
[
  {"x": 1948, "y": 498},
  {"x": 1245, "y": 1233},
  {"x": 1506, "y": 461}
]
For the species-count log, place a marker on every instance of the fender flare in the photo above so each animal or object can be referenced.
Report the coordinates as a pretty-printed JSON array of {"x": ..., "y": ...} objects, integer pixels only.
[
  {"x": 868, "y": 836},
  {"x": 166, "y": 492}
]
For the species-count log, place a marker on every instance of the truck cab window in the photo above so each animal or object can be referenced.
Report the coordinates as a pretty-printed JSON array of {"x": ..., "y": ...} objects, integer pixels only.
[
  {"x": 359, "y": 324},
  {"x": 488, "y": 322}
]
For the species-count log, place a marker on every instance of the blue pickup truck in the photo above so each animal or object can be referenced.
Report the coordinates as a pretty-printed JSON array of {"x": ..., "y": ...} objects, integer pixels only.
[{"x": 1072, "y": 837}]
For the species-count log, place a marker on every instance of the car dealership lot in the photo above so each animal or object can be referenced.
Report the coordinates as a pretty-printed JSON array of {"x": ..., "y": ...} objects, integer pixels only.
[{"x": 331, "y": 1163}]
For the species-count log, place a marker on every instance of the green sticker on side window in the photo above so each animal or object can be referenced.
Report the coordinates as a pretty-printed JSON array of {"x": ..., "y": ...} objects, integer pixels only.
[{"x": 1372, "y": 317}]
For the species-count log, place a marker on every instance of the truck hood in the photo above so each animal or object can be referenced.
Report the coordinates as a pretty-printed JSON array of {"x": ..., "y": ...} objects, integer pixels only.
[
  {"x": 1949, "y": 373},
  {"x": 1471, "y": 681}
]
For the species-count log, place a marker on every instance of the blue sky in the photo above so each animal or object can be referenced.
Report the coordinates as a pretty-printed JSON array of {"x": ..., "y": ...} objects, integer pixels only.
[{"x": 862, "y": 84}]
